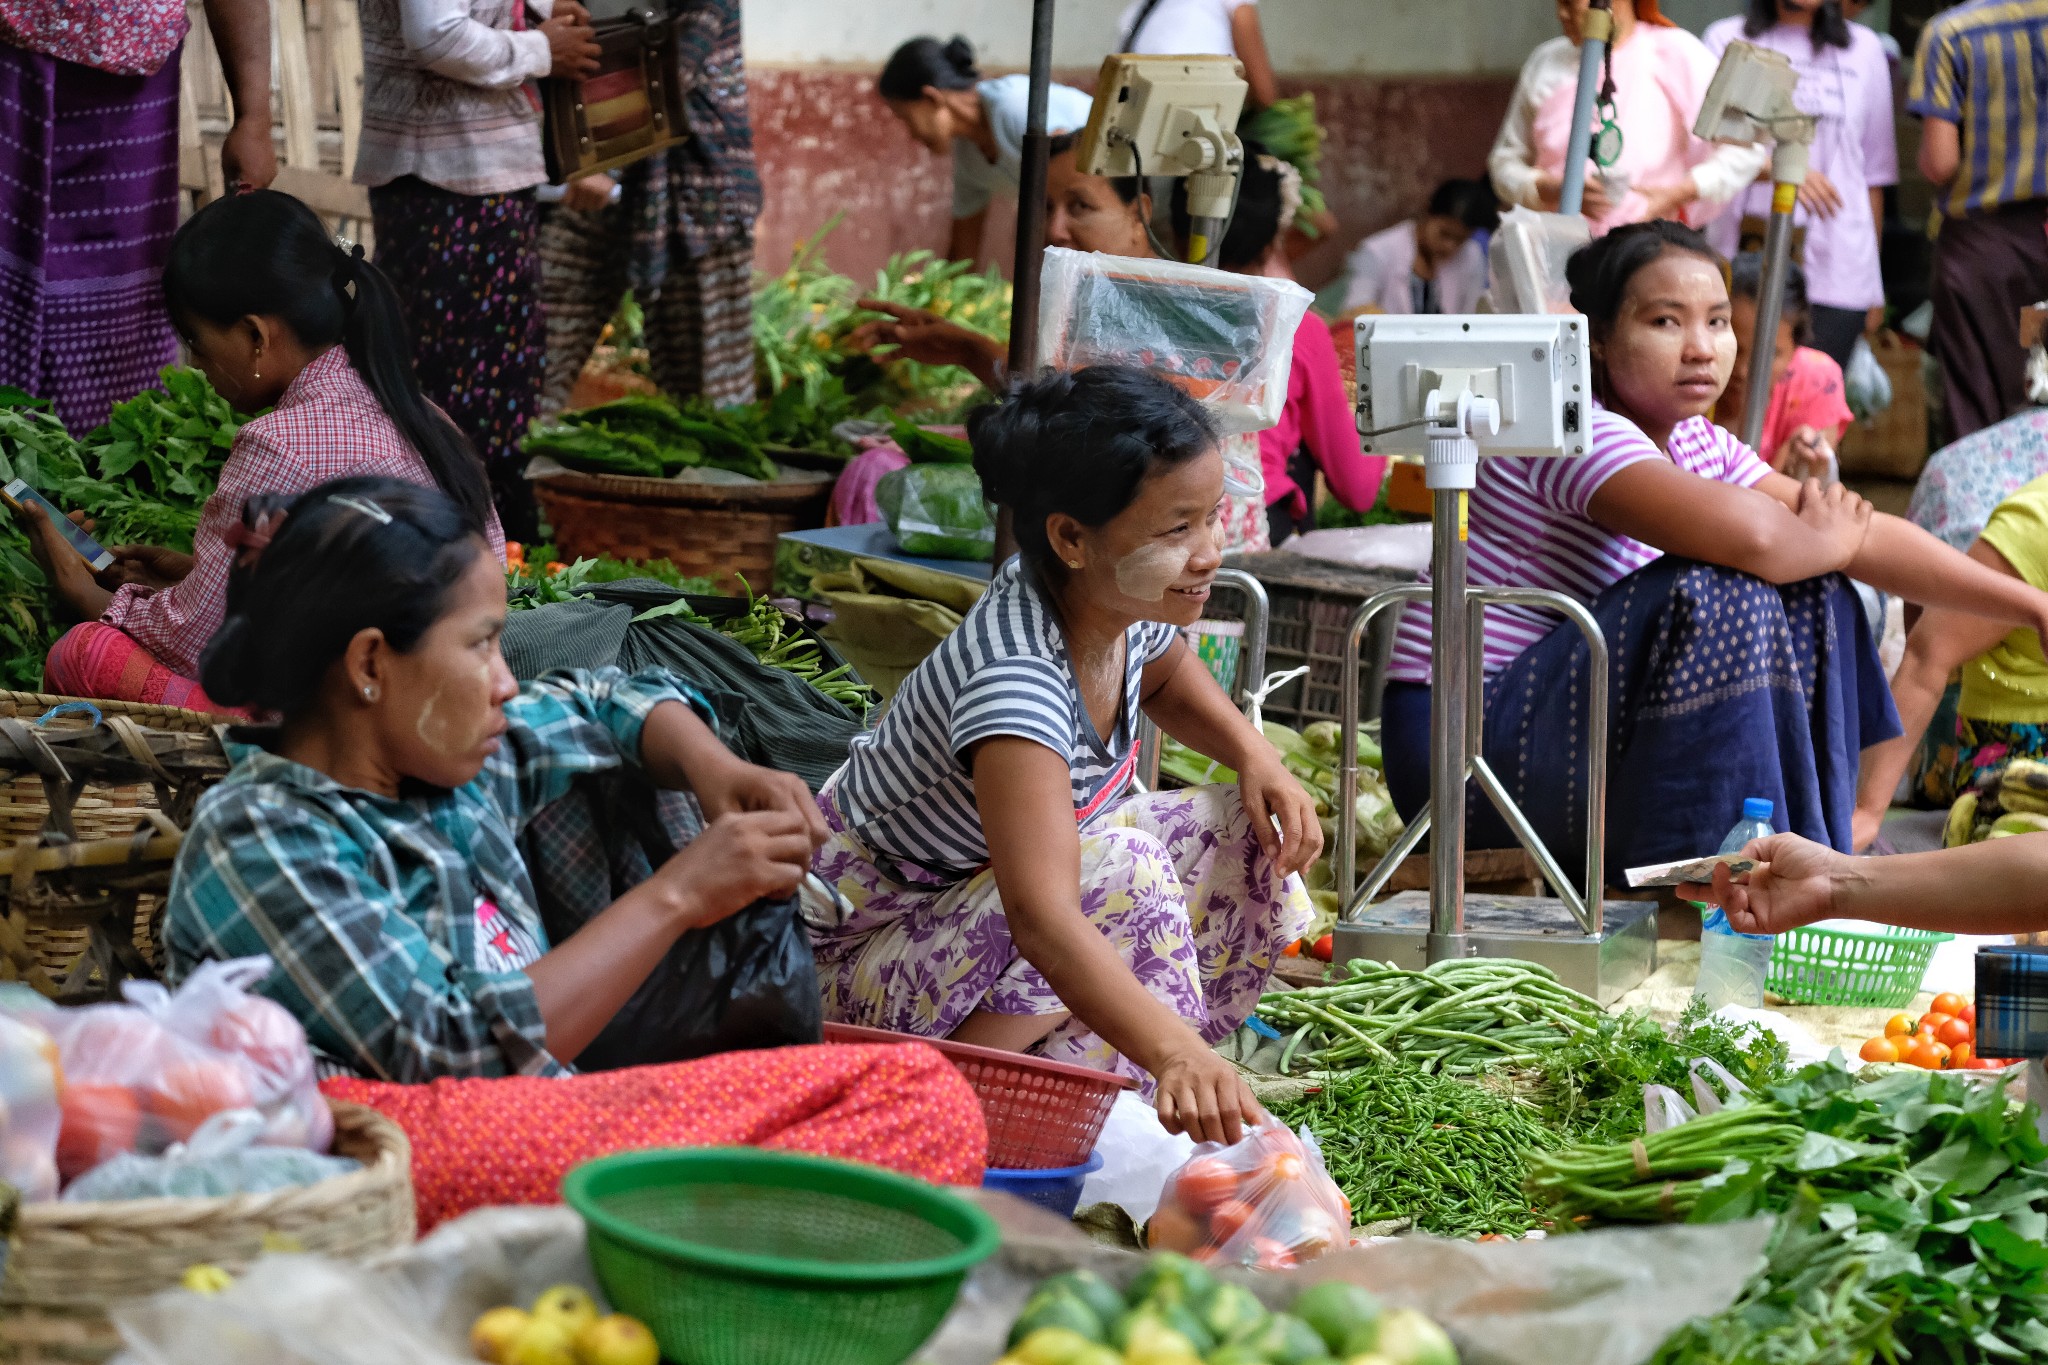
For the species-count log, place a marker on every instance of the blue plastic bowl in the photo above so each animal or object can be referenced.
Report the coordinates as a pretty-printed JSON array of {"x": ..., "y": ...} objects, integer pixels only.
[{"x": 1056, "y": 1191}]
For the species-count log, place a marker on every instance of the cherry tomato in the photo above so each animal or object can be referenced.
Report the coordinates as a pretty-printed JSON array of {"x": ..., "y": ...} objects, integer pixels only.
[
  {"x": 1880, "y": 1050},
  {"x": 1960, "y": 1058},
  {"x": 1954, "y": 1032},
  {"x": 1968, "y": 1014},
  {"x": 1292, "y": 950},
  {"x": 1325, "y": 949},
  {"x": 1899, "y": 1026},
  {"x": 1949, "y": 1003},
  {"x": 1933, "y": 1020},
  {"x": 1205, "y": 1183},
  {"x": 1925, "y": 1054},
  {"x": 1228, "y": 1219},
  {"x": 1984, "y": 1064},
  {"x": 1268, "y": 1254},
  {"x": 1172, "y": 1230},
  {"x": 1283, "y": 1166}
]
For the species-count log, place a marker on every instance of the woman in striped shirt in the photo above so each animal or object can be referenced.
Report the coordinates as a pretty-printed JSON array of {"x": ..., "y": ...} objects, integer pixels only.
[
  {"x": 1740, "y": 661},
  {"x": 998, "y": 883}
]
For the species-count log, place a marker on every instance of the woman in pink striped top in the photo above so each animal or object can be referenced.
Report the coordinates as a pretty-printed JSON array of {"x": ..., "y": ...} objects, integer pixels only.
[{"x": 1741, "y": 663}]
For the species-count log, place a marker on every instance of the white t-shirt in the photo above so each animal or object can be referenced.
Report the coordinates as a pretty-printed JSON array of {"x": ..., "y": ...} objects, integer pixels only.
[
  {"x": 1007, "y": 102},
  {"x": 1183, "y": 27},
  {"x": 906, "y": 790}
]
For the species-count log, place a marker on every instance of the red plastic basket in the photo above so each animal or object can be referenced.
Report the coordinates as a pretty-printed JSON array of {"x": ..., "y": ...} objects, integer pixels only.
[{"x": 1041, "y": 1115}]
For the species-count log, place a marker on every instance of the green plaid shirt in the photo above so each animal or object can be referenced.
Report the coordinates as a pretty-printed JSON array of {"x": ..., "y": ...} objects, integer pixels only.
[{"x": 401, "y": 927}]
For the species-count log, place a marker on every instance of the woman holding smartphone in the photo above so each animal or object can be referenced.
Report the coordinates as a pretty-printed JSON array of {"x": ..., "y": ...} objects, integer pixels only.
[{"x": 279, "y": 316}]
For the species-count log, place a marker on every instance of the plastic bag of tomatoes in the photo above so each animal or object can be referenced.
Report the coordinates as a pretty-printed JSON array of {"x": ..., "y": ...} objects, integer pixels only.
[
  {"x": 1267, "y": 1202},
  {"x": 142, "y": 1075}
]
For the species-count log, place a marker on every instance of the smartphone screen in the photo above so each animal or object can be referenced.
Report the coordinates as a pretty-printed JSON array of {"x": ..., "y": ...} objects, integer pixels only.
[{"x": 94, "y": 554}]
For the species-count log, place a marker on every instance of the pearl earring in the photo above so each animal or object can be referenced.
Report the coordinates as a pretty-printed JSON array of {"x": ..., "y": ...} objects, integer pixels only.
[{"x": 369, "y": 694}]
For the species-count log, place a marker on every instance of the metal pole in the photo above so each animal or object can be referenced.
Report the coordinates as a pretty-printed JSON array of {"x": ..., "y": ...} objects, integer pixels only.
[
  {"x": 1450, "y": 686},
  {"x": 1788, "y": 171},
  {"x": 1348, "y": 703},
  {"x": 1593, "y": 40},
  {"x": 1030, "y": 232}
]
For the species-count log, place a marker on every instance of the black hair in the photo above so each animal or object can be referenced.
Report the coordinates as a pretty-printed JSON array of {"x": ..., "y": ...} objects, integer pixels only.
[
  {"x": 348, "y": 555},
  {"x": 1080, "y": 443},
  {"x": 1254, "y": 222},
  {"x": 265, "y": 254},
  {"x": 1830, "y": 25},
  {"x": 927, "y": 63},
  {"x": 1746, "y": 281},
  {"x": 1599, "y": 273},
  {"x": 1127, "y": 187},
  {"x": 1471, "y": 202}
]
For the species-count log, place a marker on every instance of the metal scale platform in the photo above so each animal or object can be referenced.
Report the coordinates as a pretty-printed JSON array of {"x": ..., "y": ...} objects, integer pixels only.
[{"x": 1499, "y": 385}]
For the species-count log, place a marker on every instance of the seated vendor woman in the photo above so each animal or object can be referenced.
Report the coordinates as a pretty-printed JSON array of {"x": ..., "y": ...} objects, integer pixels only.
[
  {"x": 368, "y": 843},
  {"x": 1740, "y": 661},
  {"x": 279, "y": 317},
  {"x": 1002, "y": 884}
]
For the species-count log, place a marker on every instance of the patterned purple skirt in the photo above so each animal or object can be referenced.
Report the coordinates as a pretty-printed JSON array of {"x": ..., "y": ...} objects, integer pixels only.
[{"x": 88, "y": 204}]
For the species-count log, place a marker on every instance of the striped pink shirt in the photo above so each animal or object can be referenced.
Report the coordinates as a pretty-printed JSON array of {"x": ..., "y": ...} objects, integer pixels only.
[{"x": 1530, "y": 529}]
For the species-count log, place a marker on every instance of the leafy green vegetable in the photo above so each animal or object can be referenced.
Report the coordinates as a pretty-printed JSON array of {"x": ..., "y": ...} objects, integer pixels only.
[
  {"x": 1592, "y": 1085},
  {"x": 931, "y": 447},
  {"x": 647, "y": 438}
]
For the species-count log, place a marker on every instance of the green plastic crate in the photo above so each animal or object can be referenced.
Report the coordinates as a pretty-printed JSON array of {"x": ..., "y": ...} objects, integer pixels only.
[
  {"x": 734, "y": 1256},
  {"x": 1880, "y": 968}
]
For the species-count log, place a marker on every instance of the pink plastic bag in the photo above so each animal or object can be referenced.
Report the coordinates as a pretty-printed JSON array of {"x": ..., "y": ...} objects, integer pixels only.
[
  {"x": 853, "y": 497},
  {"x": 1267, "y": 1202}
]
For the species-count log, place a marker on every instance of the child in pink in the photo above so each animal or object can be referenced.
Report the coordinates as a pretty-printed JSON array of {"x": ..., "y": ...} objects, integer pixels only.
[{"x": 1808, "y": 409}]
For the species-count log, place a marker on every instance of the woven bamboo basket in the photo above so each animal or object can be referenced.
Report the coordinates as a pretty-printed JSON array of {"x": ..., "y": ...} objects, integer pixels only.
[
  {"x": 71, "y": 1262},
  {"x": 715, "y": 531},
  {"x": 100, "y": 812}
]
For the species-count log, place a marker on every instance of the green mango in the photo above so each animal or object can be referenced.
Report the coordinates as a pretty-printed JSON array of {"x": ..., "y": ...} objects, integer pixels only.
[
  {"x": 1338, "y": 1310},
  {"x": 1058, "y": 1310},
  {"x": 1144, "y": 1331},
  {"x": 1051, "y": 1346},
  {"x": 1091, "y": 1289},
  {"x": 1236, "y": 1353},
  {"x": 1173, "y": 1278},
  {"x": 1407, "y": 1337},
  {"x": 1233, "y": 1312},
  {"x": 1287, "y": 1340}
]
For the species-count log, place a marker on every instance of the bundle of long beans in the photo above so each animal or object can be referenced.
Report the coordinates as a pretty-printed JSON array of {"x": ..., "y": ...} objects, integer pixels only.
[
  {"x": 1457, "y": 1017},
  {"x": 1658, "y": 1178},
  {"x": 765, "y": 629}
]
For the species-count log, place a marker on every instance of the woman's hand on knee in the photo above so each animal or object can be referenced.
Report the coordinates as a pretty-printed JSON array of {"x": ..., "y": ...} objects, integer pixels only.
[
  {"x": 1272, "y": 794},
  {"x": 1202, "y": 1095}
]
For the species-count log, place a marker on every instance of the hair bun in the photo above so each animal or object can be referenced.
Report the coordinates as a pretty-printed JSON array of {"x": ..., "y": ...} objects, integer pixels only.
[{"x": 960, "y": 54}]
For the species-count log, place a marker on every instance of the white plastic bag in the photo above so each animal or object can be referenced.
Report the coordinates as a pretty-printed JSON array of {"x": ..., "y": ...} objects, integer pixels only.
[
  {"x": 1526, "y": 258},
  {"x": 1227, "y": 339},
  {"x": 1664, "y": 1108},
  {"x": 28, "y": 1109},
  {"x": 1137, "y": 1155},
  {"x": 222, "y": 1158},
  {"x": 1864, "y": 382}
]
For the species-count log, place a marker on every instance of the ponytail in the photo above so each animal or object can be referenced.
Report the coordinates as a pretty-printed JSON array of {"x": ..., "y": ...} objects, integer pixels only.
[
  {"x": 927, "y": 63},
  {"x": 265, "y": 254}
]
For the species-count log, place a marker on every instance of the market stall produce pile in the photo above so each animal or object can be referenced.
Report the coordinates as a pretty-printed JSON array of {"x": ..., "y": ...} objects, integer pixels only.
[
  {"x": 143, "y": 478},
  {"x": 648, "y": 438},
  {"x": 2004, "y": 800}
]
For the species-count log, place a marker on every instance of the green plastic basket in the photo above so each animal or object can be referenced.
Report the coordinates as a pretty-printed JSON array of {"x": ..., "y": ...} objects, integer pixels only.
[
  {"x": 734, "y": 1256},
  {"x": 1879, "y": 968}
]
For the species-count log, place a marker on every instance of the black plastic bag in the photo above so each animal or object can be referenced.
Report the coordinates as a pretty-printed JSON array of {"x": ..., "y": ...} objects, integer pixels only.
[{"x": 749, "y": 981}]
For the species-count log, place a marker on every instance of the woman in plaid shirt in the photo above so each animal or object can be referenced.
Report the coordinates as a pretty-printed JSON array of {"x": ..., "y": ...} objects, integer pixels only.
[
  {"x": 369, "y": 843},
  {"x": 280, "y": 317}
]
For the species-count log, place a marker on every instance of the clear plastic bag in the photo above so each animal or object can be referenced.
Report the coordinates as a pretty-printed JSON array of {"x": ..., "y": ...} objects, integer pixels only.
[
  {"x": 1864, "y": 383},
  {"x": 1664, "y": 1108},
  {"x": 1267, "y": 1202},
  {"x": 142, "y": 1075},
  {"x": 937, "y": 510},
  {"x": 1227, "y": 339},
  {"x": 1526, "y": 258},
  {"x": 28, "y": 1109},
  {"x": 222, "y": 1158}
]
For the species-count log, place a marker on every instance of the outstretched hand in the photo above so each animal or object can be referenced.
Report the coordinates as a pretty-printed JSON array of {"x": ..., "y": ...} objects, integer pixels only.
[{"x": 1793, "y": 884}]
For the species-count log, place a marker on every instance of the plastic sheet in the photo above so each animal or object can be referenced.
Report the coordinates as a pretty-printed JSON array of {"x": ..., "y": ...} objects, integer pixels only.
[
  {"x": 1266, "y": 1202},
  {"x": 1227, "y": 339},
  {"x": 1525, "y": 260},
  {"x": 937, "y": 511}
]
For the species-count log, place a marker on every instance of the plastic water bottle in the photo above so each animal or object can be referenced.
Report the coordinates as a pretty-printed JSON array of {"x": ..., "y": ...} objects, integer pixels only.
[{"x": 1732, "y": 965}]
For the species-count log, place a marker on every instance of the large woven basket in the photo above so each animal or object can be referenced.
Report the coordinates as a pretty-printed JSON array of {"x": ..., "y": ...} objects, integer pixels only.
[
  {"x": 101, "y": 811},
  {"x": 71, "y": 1262},
  {"x": 715, "y": 531}
]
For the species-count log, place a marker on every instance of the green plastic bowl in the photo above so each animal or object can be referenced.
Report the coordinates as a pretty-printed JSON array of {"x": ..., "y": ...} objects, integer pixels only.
[
  {"x": 1880, "y": 968},
  {"x": 735, "y": 1256}
]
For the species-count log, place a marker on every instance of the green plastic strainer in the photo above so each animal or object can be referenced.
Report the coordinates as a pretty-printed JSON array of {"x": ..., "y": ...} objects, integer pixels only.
[{"x": 734, "y": 1256}]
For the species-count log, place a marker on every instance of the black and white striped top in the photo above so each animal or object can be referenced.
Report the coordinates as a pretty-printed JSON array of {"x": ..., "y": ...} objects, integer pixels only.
[{"x": 906, "y": 791}]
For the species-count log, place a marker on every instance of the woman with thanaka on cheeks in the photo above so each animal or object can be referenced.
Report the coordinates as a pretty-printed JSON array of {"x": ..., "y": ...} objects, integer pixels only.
[
  {"x": 1005, "y": 887},
  {"x": 1740, "y": 661}
]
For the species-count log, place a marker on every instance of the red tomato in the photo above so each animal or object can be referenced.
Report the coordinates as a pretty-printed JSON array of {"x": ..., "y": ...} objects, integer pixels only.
[
  {"x": 1172, "y": 1230},
  {"x": 190, "y": 1093},
  {"x": 1933, "y": 1020},
  {"x": 1325, "y": 949},
  {"x": 1984, "y": 1064},
  {"x": 1968, "y": 1014},
  {"x": 1283, "y": 1166},
  {"x": 1926, "y": 1054},
  {"x": 1268, "y": 1254},
  {"x": 1949, "y": 1003},
  {"x": 1205, "y": 1183},
  {"x": 1955, "y": 1032},
  {"x": 1960, "y": 1058},
  {"x": 1228, "y": 1219},
  {"x": 1881, "y": 1050},
  {"x": 99, "y": 1121}
]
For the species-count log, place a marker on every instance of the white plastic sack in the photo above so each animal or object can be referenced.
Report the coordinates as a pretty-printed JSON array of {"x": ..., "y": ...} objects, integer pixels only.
[
  {"x": 1137, "y": 1156},
  {"x": 1404, "y": 547},
  {"x": 1865, "y": 384},
  {"x": 1525, "y": 260},
  {"x": 1227, "y": 339}
]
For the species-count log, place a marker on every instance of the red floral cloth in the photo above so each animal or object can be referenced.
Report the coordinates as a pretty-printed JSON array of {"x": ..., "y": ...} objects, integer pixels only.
[
  {"x": 510, "y": 1140},
  {"x": 126, "y": 37}
]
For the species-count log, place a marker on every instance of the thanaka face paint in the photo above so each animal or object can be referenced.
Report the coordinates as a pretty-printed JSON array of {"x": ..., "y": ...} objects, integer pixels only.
[
  {"x": 443, "y": 731},
  {"x": 1148, "y": 572}
]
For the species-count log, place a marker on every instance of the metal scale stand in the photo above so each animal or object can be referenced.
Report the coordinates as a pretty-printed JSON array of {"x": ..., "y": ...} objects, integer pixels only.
[{"x": 1602, "y": 950}]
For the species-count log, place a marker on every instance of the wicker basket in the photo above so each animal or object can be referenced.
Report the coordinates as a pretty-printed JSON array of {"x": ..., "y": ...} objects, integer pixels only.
[
  {"x": 72, "y": 1261},
  {"x": 1892, "y": 444},
  {"x": 716, "y": 531},
  {"x": 100, "y": 812}
]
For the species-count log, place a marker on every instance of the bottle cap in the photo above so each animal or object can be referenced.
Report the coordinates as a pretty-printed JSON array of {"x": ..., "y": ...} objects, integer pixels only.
[{"x": 1758, "y": 808}]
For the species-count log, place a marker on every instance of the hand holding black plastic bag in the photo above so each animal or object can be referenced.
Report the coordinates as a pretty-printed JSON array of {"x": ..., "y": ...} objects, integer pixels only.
[{"x": 748, "y": 981}]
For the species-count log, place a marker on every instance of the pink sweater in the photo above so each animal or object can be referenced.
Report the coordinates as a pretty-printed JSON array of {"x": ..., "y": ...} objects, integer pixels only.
[{"x": 1318, "y": 415}]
